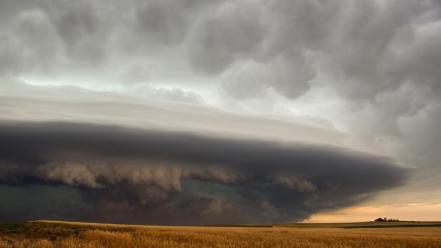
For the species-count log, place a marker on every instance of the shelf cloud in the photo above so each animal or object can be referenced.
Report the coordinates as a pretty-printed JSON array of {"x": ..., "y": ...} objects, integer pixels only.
[
  {"x": 162, "y": 177},
  {"x": 202, "y": 111}
]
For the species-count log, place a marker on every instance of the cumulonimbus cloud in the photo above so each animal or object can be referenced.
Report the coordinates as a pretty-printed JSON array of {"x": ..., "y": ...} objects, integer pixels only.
[{"x": 120, "y": 174}]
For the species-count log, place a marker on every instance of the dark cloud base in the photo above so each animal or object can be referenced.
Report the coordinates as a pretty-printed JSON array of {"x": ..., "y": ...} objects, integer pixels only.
[{"x": 116, "y": 174}]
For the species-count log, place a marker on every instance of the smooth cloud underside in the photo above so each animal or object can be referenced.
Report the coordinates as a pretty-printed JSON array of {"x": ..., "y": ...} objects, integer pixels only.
[{"x": 116, "y": 174}]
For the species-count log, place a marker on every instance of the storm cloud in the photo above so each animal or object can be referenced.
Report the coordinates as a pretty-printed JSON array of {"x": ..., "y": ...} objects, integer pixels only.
[
  {"x": 216, "y": 107},
  {"x": 119, "y": 174},
  {"x": 358, "y": 46}
]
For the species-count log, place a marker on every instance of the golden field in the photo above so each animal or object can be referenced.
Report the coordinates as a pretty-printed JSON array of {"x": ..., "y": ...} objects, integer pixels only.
[{"x": 70, "y": 235}]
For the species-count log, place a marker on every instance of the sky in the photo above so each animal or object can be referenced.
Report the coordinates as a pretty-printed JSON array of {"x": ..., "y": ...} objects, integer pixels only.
[{"x": 184, "y": 112}]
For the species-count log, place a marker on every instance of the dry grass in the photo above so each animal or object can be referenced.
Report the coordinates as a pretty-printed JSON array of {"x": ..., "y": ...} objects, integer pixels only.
[{"x": 70, "y": 235}]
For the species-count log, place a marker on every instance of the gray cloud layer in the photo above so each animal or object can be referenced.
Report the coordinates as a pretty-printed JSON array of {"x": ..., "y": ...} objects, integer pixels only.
[
  {"x": 359, "y": 45},
  {"x": 379, "y": 56},
  {"x": 117, "y": 174},
  {"x": 375, "y": 61}
]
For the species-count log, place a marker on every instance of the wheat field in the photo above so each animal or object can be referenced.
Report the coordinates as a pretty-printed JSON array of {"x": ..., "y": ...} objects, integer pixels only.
[{"x": 76, "y": 235}]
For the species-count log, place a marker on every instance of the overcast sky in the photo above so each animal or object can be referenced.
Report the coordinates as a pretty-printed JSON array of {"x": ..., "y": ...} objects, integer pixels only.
[{"x": 202, "y": 112}]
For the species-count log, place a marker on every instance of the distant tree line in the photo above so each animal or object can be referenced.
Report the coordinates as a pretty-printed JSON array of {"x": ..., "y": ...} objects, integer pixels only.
[{"x": 386, "y": 220}]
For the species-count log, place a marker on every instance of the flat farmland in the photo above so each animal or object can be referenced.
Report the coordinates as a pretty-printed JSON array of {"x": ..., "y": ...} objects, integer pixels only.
[{"x": 366, "y": 234}]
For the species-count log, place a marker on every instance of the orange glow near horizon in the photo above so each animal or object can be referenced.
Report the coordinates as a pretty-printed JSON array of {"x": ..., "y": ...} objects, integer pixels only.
[{"x": 413, "y": 211}]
